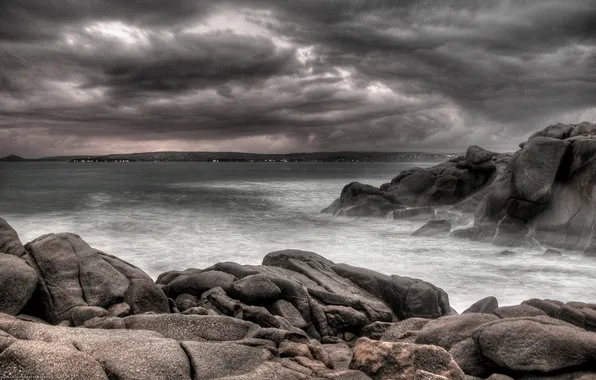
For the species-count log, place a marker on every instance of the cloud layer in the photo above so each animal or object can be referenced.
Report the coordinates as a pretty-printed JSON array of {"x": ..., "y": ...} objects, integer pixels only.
[{"x": 109, "y": 76}]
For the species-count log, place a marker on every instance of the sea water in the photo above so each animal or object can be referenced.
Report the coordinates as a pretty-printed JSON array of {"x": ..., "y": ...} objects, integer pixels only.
[{"x": 163, "y": 216}]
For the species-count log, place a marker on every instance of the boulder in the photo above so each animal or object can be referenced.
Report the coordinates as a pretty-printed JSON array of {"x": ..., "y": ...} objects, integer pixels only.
[
  {"x": 42, "y": 360},
  {"x": 485, "y": 305},
  {"x": 143, "y": 296},
  {"x": 447, "y": 331},
  {"x": 18, "y": 281},
  {"x": 119, "y": 310},
  {"x": 400, "y": 331},
  {"x": 392, "y": 360},
  {"x": 186, "y": 301},
  {"x": 375, "y": 330},
  {"x": 291, "y": 349},
  {"x": 197, "y": 283},
  {"x": 469, "y": 358},
  {"x": 80, "y": 314},
  {"x": 223, "y": 360},
  {"x": 340, "y": 354},
  {"x": 260, "y": 316},
  {"x": 536, "y": 168},
  {"x": 285, "y": 309},
  {"x": 514, "y": 311},
  {"x": 344, "y": 318},
  {"x": 9, "y": 240},
  {"x": 73, "y": 274},
  {"x": 554, "y": 347},
  {"x": 433, "y": 228},
  {"x": 357, "y": 199},
  {"x": 407, "y": 297},
  {"x": 255, "y": 289},
  {"x": 477, "y": 155},
  {"x": 557, "y": 131}
]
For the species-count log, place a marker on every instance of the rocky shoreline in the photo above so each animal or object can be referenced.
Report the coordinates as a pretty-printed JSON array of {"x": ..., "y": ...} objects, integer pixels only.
[
  {"x": 69, "y": 311},
  {"x": 540, "y": 195}
]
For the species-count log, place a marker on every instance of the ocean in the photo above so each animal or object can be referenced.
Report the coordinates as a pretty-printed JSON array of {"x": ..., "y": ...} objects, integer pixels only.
[{"x": 168, "y": 215}]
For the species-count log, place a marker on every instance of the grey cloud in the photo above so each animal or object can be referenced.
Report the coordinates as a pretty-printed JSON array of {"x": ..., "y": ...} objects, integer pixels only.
[{"x": 324, "y": 75}]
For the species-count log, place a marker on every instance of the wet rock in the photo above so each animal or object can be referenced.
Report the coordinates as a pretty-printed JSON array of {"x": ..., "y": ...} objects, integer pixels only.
[
  {"x": 433, "y": 228},
  {"x": 511, "y": 232},
  {"x": 552, "y": 253},
  {"x": 415, "y": 213}
]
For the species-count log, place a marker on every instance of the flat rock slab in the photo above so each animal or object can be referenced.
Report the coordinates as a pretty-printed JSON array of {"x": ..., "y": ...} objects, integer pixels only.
[{"x": 192, "y": 327}]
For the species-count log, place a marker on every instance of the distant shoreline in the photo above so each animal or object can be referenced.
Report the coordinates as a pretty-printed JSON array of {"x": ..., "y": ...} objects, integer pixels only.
[{"x": 219, "y": 157}]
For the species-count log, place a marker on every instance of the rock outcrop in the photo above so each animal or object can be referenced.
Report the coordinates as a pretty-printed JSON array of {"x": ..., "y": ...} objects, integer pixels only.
[
  {"x": 296, "y": 316},
  {"x": 542, "y": 193},
  {"x": 547, "y": 190}
]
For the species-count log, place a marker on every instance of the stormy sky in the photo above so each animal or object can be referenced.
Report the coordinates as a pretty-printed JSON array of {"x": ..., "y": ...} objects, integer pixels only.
[{"x": 107, "y": 76}]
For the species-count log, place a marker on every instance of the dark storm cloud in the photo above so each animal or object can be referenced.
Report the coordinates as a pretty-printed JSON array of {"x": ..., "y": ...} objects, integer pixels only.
[{"x": 107, "y": 75}]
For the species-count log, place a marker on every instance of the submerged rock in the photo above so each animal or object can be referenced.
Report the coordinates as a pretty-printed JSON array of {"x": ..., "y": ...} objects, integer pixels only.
[{"x": 433, "y": 228}]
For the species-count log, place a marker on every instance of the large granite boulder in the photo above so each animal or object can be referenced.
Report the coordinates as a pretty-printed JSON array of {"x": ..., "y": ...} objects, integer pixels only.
[
  {"x": 72, "y": 274},
  {"x": 546, "y": 188},
  {"x": 18, "y": 281},
  {"x": 9, "y": 240}
]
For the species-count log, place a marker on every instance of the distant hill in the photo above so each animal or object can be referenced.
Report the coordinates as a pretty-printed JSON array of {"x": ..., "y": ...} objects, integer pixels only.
[
  {"x": 251, "y": 157},
  {"x": 12, "y": 158}
]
